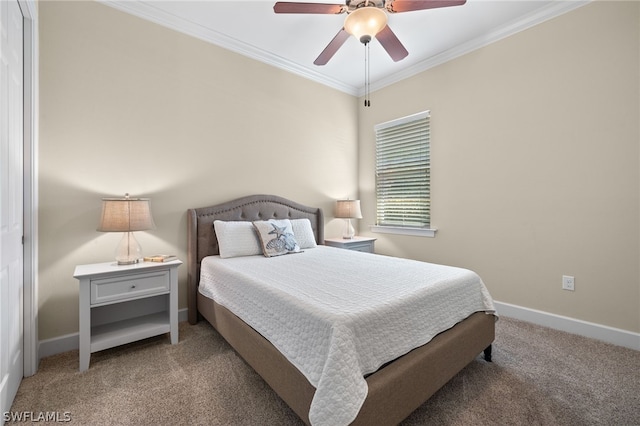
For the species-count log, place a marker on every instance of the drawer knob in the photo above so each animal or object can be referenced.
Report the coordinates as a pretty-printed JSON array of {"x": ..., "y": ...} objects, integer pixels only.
[{"x": 133, "y": 286}]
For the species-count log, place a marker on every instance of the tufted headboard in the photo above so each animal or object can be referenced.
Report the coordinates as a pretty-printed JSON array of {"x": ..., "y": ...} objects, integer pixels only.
[{"x": 201, "y": 236}]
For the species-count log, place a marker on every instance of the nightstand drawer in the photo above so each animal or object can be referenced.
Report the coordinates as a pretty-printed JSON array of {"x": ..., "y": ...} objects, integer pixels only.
[
  {"x": 129, "y": 287},
  {"x": 365, "y": 244},
  {"x": 366, "y": 247}
]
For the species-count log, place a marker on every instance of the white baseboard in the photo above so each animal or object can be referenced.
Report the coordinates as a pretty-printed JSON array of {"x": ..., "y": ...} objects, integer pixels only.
[
  {"x": 615, "y": 336},
  {"x": 70, "y": 342},
  {"x": 607, "y": 334},
  {"x": 57, "y": 345}
]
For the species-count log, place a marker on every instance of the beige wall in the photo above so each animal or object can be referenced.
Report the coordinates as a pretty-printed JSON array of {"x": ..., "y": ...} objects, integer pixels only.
[
  {"x": 130, "y": 106},
  {"x": 535, "y": 164},
  {"x": 535, "y": 151}
]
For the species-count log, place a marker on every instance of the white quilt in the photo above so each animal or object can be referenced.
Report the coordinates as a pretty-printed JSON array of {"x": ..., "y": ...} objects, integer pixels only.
[{"x": 339, "y": 314}]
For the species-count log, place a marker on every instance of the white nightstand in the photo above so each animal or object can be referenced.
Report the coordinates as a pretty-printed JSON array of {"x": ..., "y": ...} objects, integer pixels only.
[
  {"x": 122, "y": 304},
  {"x": 365, "y": 244}
]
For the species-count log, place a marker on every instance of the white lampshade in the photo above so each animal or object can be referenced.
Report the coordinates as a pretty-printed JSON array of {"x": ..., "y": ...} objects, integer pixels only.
[
  {"x": 365, "y": 23},
  {"x": 348, "y": 209},
  {"x": 126, "y": 215}
]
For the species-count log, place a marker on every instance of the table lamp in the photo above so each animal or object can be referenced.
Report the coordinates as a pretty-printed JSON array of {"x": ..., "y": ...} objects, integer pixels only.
[
  {"x": 348, "y": 209},
  {"x": 126, "y": 215}
]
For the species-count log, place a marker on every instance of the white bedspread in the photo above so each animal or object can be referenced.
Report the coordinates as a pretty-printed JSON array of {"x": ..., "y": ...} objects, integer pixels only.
[{"x": 339, "y": 314}]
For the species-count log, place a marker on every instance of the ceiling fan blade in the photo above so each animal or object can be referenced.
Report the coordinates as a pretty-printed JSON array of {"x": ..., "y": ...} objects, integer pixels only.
[
  {"x": 332, "y": 47},
  {"x": 322, "y": 8},
  {"x": 391, "y": 44},
  {"x": 398, "y": 6}
]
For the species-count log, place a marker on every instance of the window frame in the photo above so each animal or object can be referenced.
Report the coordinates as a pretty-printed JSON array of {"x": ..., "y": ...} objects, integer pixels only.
[{"x": 428, "y": 230}]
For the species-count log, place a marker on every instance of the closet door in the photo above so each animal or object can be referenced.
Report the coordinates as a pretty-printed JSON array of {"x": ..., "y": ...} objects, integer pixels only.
[{"x": 11, "y": 202}]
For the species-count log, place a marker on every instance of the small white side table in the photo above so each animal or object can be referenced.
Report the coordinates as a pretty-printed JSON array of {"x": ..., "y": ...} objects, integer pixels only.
[
  {"x": 120, "y": 304},
  {"x": 365, "y": 244}
]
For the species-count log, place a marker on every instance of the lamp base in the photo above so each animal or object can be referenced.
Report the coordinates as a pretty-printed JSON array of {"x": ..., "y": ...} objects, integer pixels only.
[
  {"x": 349, "y": 232},
  {"x": 130, "y": 262},
  {"x": 128, "y": 251}
]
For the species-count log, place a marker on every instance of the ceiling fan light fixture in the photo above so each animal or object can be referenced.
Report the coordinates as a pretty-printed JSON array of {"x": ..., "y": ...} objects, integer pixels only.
[{"x": 365, "y": 23}]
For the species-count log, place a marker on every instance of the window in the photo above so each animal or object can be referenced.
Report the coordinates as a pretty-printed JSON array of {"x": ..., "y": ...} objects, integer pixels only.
[{"x": 403, "y": 175}]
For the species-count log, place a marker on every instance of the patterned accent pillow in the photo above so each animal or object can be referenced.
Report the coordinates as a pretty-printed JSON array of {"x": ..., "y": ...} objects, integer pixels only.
[
  {"x": 236, "y": 238},
  {"x": 276, "y": 237},
  {"x": 303, "y": 233}
]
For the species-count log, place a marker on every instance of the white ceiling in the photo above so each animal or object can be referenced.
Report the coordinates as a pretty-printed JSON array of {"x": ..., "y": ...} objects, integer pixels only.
[{"x": 293, "y": 41}]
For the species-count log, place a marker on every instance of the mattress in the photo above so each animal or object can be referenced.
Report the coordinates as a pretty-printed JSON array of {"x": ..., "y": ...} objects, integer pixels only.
[{"x": 338, "y": 315}]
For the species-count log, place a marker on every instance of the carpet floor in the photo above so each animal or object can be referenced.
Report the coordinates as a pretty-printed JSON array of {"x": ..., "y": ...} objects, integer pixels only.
[{"x": 538, "y": 376}]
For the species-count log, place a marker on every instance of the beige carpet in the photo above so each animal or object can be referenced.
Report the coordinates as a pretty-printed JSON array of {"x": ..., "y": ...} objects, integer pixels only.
[{"x": 538, "y": 377}]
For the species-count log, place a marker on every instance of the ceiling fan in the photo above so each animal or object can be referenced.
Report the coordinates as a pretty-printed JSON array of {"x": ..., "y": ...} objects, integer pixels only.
[{"x": 365, "y": 19}]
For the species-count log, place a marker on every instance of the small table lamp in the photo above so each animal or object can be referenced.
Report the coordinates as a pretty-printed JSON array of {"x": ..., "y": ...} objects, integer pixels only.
[
  {"x": 348, "y": 209},
  {"x": 126, "y": 215}
]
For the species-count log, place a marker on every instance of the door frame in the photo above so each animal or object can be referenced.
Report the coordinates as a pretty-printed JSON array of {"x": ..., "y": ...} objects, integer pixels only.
[{"x": 30, "y": 181}]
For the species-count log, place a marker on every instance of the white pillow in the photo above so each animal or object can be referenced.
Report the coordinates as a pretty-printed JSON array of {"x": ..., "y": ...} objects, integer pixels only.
[
  {"x": 303, "y": 233},
  {"x": 236, "y": 238}
]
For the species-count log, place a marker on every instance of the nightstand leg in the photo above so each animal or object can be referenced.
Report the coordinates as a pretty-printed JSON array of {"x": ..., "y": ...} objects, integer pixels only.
[
  {"x": 173, "y": 306},
  {"x": 84, "y": 343},
  {"x": 85, "y": 357}
]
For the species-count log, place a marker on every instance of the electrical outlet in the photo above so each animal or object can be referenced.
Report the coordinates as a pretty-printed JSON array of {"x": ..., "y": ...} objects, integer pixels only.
[{"x": 568, "y": 283}]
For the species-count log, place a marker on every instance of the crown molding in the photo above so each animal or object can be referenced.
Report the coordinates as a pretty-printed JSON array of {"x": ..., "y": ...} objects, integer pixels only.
[
  {"x": 537, "y": 17},
  {"x": 150, "y": 13}
]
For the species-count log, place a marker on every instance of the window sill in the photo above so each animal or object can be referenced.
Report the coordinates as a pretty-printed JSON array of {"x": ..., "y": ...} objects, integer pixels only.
[{"x": 399, "y": 230}]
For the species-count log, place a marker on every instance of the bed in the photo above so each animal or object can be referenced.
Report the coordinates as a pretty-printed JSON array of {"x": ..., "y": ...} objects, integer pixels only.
[{"x": 391, "y": 392}]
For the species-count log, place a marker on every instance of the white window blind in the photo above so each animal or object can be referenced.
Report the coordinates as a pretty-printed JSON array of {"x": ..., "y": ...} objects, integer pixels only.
[{"x": 403, "y": 172}]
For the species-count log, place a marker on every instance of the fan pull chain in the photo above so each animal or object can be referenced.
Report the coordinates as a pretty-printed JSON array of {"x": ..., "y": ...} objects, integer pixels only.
[{"x": 367, "y": 76}]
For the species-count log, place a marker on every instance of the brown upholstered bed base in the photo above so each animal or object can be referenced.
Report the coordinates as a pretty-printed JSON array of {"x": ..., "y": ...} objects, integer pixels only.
[{"x": 395, "y": 391}]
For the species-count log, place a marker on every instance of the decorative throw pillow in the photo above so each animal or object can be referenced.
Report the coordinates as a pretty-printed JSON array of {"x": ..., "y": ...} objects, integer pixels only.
[
  {"x": 303, "y": 233},
  {"x": 236, "y": 238},
  {"x": 276, "y": 237}
]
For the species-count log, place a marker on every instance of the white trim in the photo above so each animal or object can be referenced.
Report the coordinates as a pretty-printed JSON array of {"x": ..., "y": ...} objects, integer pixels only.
[
  {"x": 150, "y": 13},
  {"x": 605, "y": 333},
  {"x": 399, "y": 230},
  {"x": 612, "y": 335},
  {"x": 146, "y": 11},
  {"x": 58, "y": 345},
  {"x": 403, "y": 120},
  {"x": 71, "y": 342},
  {"x": 30, "y": 191}
]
